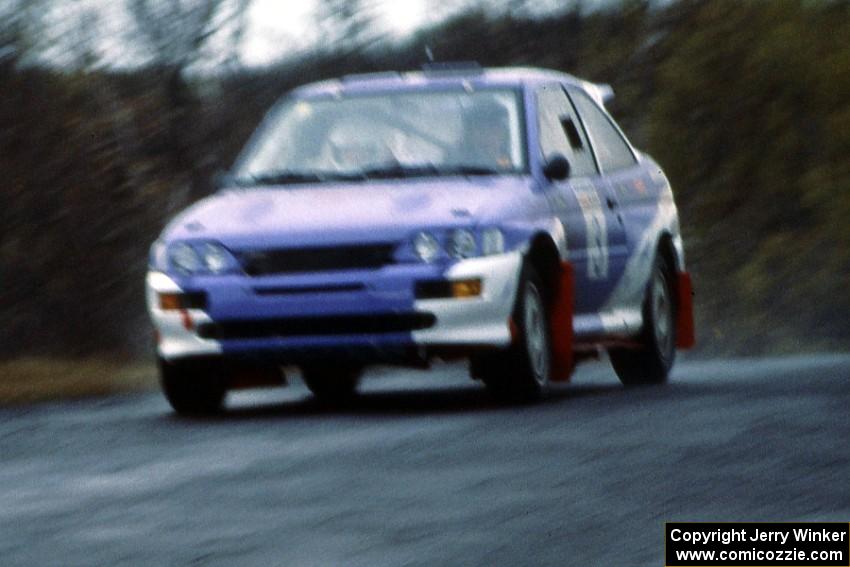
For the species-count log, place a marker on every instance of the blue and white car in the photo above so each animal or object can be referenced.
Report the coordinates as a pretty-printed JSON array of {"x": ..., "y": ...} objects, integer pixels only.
[{"x": 498, "y": 215}]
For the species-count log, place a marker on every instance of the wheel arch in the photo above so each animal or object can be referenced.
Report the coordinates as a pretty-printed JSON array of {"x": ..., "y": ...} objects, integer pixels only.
[
  {"x": 682, "y": 289},
  {"x": 543, "y": 255},
  {"x": 666, "y": 248}
]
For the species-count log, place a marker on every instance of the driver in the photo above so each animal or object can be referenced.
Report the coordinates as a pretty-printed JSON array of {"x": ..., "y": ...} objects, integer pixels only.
[
  {"x": 354, "y": 145},
  {"x": 486, "y": 136}
]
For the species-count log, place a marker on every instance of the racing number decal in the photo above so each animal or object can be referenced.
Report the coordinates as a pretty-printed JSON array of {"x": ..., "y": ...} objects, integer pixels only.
[
  {"x": 597, "y": 265},
  {"x": 596, "y": 229}
]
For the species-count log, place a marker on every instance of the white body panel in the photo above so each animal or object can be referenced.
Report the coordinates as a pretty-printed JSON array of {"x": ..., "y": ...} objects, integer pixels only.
[
  {"x": 479, "y": 320},
  {"x": 175, "y": 340}
]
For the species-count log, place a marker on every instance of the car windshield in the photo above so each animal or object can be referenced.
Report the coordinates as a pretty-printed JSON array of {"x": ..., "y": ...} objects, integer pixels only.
[{"x": 389, "y": 135}]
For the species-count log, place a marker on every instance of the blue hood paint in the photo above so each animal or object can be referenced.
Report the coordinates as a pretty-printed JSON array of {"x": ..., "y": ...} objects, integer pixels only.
[
  {"x": 357, "y": 212},
  {"x": 336, "y": 214}
]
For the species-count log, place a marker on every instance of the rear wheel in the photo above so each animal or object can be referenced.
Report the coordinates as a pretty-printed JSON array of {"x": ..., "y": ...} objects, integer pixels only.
[
  {"x": 651, "y": 363},
  {"x": 522, "y": 373},
  {"x": 332, "y": 384},
  {"x": 193, "y": 387}
]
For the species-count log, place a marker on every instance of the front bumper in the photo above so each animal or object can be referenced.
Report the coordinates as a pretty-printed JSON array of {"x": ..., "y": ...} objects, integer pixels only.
[{"x": 291, "y": 317}]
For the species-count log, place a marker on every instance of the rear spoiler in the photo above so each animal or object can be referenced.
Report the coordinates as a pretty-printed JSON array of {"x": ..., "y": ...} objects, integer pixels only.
[{"x": 601, "y": 93}]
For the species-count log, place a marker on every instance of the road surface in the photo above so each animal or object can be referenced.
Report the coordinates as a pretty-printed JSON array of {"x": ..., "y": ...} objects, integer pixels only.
[{"x": 425, "y": 470}]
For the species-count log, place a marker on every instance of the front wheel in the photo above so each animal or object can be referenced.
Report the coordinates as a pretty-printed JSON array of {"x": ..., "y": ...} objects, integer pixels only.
[
  {"x": 193, "y": 387},
  {"x": 332, "y": 384},
  {"x": 651, "y": 363},
  {"x": 522, "y": 372}
]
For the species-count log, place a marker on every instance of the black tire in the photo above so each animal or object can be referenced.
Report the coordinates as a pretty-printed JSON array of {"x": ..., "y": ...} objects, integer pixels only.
[
  {"x": 651, "y": 363},
  {"x": 521, "y": 373},
  {"x": 332, "y": 384},
  {"x": 193, "y": 387}
]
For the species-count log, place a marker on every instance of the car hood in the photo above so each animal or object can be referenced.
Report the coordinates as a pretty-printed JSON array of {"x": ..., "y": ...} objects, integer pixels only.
[{"x": 349, "y": 212}]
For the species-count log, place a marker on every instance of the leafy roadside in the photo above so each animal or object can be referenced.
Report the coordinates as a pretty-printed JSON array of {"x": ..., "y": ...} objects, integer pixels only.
[{"x": 35, "y": 379}]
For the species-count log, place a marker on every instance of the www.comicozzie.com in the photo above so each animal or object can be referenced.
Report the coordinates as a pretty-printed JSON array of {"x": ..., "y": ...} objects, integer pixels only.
[{"x": 757, "y": 544}]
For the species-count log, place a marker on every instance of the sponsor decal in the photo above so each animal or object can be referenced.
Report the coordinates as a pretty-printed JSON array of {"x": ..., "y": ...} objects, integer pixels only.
[{"x": 596, "y": 230}]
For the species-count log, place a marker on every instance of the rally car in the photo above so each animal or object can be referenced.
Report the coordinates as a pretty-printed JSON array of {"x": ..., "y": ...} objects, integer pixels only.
[{"x": 498, "y": 215}]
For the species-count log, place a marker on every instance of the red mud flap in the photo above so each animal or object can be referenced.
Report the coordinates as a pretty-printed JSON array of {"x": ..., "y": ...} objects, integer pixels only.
[
  {"x": 562, "y": 326},
  {"x": 685, "y": 336}
]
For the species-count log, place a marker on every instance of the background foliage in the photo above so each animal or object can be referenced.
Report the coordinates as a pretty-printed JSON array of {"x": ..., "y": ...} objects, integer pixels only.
[{"x": 744, "y": 102}]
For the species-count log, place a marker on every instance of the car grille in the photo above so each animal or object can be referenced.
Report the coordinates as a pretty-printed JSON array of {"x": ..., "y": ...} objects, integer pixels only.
[
  {"x": 317, "y": 326},
  {"x": 317, "y": 259}
]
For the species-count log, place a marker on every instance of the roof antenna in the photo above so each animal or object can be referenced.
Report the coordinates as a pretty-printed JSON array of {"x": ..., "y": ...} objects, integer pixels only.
[{"x": 429, "y": 54}]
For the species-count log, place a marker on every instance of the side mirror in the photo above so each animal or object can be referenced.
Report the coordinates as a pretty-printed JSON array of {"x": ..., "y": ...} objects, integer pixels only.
[{"x": 557, "y": 168}]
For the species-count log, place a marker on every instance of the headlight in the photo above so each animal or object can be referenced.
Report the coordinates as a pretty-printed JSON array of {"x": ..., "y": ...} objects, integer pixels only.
[
  {"x": 216, "y": 258},
  {"x": 183, "y": 258},
  {"x": 492, "y": 241},
  {"x": 426, "y": 247},
  {"x": 190, "y": 258},
  {"x": 462, "y": 244}
]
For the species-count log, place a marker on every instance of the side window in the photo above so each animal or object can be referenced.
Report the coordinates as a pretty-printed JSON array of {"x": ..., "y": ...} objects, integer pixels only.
[
  {"x": 561, "y": 131},
  {"x": 612, "y": 150}
]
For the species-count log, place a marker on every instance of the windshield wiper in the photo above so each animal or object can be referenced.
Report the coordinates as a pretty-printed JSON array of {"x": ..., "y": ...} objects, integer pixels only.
[
  {"x": 466, "y": 169},
  {"x": 284, "y": 177},
  {"x": 397, "y": 170},
  {"x": 424, "y": 170},
  {"x": 388, "y": 171}
]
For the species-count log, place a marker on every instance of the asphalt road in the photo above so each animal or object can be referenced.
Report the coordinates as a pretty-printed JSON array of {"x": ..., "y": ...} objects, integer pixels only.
[{"x": 425, "y": 470}]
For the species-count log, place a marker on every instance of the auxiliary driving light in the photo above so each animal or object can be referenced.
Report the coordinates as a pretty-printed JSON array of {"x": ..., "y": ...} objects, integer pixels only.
[
  {"x": 466, "y": 288},
  {"x": 448, "y": 289},
  {"x": 175, "y": 301}
]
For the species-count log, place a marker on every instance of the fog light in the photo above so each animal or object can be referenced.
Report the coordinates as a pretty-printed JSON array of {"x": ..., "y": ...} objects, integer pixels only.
[{"x": 466, "y": 288}]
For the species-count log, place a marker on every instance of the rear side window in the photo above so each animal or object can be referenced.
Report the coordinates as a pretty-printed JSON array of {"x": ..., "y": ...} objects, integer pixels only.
[
  {"x": 611, "y": 148},
  {"x": 561, "y": 132}
]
